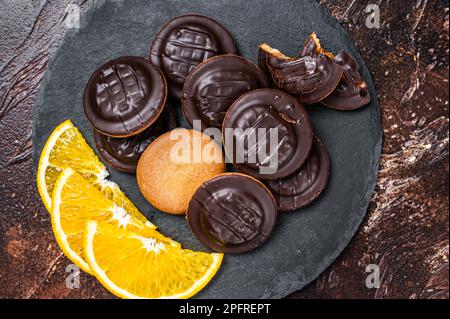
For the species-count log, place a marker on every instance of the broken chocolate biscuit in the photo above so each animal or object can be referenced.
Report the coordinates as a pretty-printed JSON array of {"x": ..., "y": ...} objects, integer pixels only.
[
  {"x": 313, "y": 48},
  {"x": 311, "y": 77},
  {"x": 352, "y": 91}
]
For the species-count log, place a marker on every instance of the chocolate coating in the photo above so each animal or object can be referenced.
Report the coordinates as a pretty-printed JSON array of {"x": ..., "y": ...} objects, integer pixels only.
[
  {"x": 215, "y": 84},
  {"x": 232, "y": 213},
  {"x": 328, "y": 71},
  {"x": 312, "y": 47},
  {"x": 352, "y": 91},
  {"x": 267, "y": 109},
  {"x": 123, "y": 153},
  {"x": 310, "y": 77},
  {"x": 183, "y": 43},
  {"x": 306, "y": 184},
  {"x": 124, "y": 96},
  {"x": 329, "y": 74}
]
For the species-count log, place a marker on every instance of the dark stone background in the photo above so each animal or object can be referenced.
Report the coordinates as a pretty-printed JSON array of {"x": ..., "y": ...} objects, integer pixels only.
[{"x": 406, "y": 229}]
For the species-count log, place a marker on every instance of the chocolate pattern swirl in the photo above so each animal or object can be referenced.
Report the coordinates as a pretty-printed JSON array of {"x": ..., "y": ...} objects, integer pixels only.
[
  {"x": 118, "y": 90},
  {"x": 232, "y": 213},
  {"x": 124, "y": 96},
  {"x": 215, "y": 84},
  {"x": 255, "y": 115},
  {"x": 183, "y": 43}
]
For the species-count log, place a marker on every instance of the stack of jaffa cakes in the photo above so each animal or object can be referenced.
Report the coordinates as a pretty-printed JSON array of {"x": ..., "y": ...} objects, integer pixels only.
[{"x": 193, "y": 61}]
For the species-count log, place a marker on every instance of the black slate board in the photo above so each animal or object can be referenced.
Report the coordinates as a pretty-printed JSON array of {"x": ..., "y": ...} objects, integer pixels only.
[{"x": 303, "y": 243}]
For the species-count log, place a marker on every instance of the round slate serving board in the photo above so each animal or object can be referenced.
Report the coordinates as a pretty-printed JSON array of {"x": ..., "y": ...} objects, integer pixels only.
[{"x": 303, "y": 243}]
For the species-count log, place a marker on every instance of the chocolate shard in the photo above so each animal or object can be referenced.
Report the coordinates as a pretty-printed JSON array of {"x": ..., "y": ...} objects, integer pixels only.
[
  {"x": 312, "y": 47},
  {"x": 293, "y": 75},
  {"x": 352, "y": 91}
]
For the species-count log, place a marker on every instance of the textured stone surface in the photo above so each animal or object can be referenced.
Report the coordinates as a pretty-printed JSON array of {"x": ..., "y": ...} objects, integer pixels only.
[
  {"x": 302, "y": 244},
  {"x": 406, "y": 228}
]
